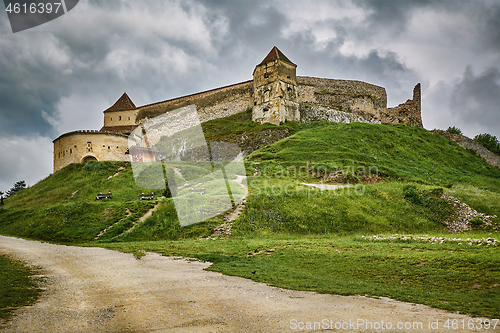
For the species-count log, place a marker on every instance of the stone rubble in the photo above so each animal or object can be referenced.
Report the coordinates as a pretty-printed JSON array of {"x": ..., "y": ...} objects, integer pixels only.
[
  {"x": 464, "y": 213},
  {"x": 435, "y": 239}
]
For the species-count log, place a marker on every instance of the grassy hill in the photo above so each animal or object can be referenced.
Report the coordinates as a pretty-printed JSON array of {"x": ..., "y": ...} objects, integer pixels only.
[
  {"x": 402, "y": 155},
  {"x": 288, "y": 229}
]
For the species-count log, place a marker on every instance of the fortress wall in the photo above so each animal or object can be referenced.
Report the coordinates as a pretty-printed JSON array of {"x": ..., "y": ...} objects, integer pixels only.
[
  {"x": 343, "y": 95},
  {"x": 211, "y": 104},
  {"x": 408, "y": 112},
  {"x": 73, "y": 147}
]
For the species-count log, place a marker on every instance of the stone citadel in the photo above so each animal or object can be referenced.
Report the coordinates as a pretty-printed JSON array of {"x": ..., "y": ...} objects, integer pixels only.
[{"x": 275, "y": 95}]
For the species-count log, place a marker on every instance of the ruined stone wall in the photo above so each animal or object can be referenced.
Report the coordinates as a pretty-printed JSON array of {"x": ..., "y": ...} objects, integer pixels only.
[
  {"x": 211, "y": 104},
  {"x": 343, "y": 95},
  {"x": 74, "y": 147},
  {"x": 311, "y": 112},
  {"x": 468, "y": 143},
  {"x": 408, "y": 112}
]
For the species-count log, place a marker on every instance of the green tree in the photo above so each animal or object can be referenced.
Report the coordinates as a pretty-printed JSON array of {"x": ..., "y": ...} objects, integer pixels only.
[
  {"x": 18, "y": 186},
  {"x": 489, "y": 142}
]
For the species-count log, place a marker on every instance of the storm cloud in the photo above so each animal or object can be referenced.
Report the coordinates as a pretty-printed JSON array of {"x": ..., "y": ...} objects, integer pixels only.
[{"x": 476, "y": 100}]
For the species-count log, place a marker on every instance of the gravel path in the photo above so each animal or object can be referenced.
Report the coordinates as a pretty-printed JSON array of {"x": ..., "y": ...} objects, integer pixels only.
[{"x": 98, "y": 290}]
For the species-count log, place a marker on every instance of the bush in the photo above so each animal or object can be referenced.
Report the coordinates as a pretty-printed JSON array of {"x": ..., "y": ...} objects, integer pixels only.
[
  {"x": 431, "y": 200},
  {"x": 92, "y": 166},
  {"x": 476, "y": 222},
  {"x": 454, "y": 130},
  {"x": 411, "y": 194},
  {"x": 438, "y": 192},
  {"x": 489, "y": 142}
]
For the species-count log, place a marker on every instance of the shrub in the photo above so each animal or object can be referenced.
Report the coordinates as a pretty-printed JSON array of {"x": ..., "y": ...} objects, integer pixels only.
[
  {"x": 489, "y": 142},
  {"x": 411, "y": 194},
  {"x": 436, "y": 191},
  {"x": 454, "y": 130},
  {"x": 476, "y": 222}
]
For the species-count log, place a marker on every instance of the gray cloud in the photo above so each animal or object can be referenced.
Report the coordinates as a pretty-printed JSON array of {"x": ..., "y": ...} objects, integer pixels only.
[
  {"x": 476, "y": 100},
  {"x": 29, "y": 83},
  {"x": 391, "y": 14},
  {"x": 491, "y": 27},
  {"x": 28, "y": 159}
]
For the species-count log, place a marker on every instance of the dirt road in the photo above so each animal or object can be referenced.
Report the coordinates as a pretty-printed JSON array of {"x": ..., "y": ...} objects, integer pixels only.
[{"x": 97, "y": 290}]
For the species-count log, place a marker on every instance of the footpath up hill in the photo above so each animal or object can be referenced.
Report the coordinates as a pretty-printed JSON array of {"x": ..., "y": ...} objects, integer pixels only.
[{"x": 62, "y": 208}]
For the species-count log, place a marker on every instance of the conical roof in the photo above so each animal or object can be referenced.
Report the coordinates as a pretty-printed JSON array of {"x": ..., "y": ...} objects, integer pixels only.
[
  {"x": 276, "y": 54},
  {"x": 122, "y": 104}
]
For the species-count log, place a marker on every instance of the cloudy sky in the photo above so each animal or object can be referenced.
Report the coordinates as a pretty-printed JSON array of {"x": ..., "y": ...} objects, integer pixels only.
[{"x": 60, "y": 76}]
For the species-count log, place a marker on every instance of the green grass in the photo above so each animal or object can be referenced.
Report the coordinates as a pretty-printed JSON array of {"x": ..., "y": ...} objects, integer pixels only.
[
  {"x": 273, "y": 207},
  {"x": 62, "y": 208},
  {"x": 395, "y": 152},
  {"x": 17, "y": 289},
  {"x": 448, "y": 276}
]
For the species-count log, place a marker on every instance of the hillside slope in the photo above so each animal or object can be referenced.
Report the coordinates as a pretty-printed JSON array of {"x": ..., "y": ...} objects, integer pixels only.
[{"x": 402, "y": 156}]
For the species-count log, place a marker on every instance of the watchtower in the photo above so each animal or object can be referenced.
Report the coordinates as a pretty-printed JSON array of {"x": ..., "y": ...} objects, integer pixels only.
[{"x": 275, "y": 89}]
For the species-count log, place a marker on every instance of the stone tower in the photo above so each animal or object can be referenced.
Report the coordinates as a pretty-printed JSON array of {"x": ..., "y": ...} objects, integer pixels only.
[{"x": 275, "y": 90}]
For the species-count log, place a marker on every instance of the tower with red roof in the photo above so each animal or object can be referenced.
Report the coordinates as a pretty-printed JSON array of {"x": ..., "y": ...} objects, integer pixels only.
[{"x": 275, "y": 89}]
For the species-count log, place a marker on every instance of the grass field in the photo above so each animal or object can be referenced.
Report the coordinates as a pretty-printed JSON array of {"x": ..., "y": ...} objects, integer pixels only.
[
  {"x": 294, "y": 236},
  {"x": 17, "y": 289}
]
